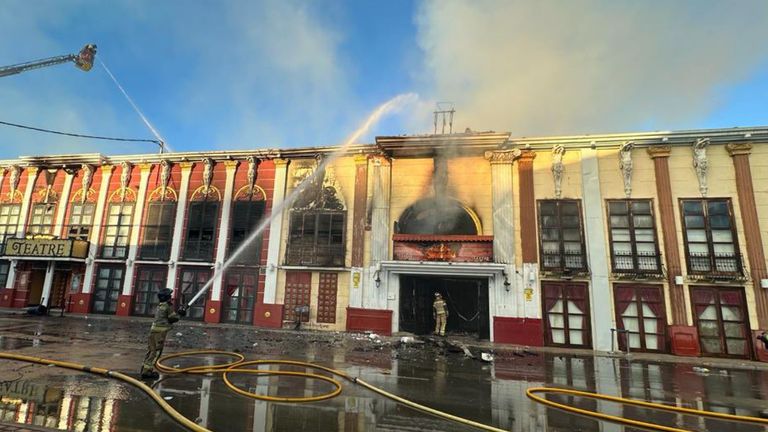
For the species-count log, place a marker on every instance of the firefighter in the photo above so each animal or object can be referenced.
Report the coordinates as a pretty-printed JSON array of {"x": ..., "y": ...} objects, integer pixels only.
[
  {"x": 164, "y": 319},
  {"x": 440, "y": 314}
]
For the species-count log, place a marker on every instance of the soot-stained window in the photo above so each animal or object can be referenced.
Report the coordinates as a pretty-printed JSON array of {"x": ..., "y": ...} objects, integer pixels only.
[{"x": 437, "y": 216}]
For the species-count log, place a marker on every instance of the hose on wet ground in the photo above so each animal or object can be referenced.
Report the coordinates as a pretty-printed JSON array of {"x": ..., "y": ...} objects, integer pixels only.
[
  {"x": 533, "y": 392},
  {"x": 238, "y": 366}
]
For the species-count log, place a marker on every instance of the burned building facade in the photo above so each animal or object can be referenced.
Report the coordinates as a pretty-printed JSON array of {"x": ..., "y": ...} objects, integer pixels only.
[{"x": 640, "y": 242}]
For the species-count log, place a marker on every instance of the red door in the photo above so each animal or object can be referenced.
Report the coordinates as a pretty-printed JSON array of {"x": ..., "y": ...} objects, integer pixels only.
[
  {"x": 566, "y": 314},
  {"x": 640, "y": 311},
  {"x": 722, "y": 321},
  {"x": 21, "y": 291}
]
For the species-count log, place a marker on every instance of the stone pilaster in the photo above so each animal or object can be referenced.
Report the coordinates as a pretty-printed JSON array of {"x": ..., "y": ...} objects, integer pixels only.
[
  {"x": 63, "y": 204},
  {"x": 133, "y": 242},
  {"x": 98, "y": 218},
  {"x": 375, "y": 297},
  {"x": 224, "y": 224},
  {"x": 21, "y": 230},
  {"x": 527, "y": 198},
  {"x": 275, "y": 230},
  {"x": 178, "y": 224}
]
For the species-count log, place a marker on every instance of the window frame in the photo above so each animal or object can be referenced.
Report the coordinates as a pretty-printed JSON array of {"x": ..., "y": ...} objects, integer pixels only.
[
  {"x": 114, "y": 244},
  {"x": 563, "y": 267},
  {"x": 5, "y": 232},
  {"x": 311, "y": 254},
  {"x": 252, "y": 254},
  {"x": 635, "y": 256},
  {"x": 713, "y": 271},
  {"x": 154, "y": 248},
  {"x": 81, "y": 228},
  {"x": 41, "y": 222},
  {"x": 192, "y": 247}
]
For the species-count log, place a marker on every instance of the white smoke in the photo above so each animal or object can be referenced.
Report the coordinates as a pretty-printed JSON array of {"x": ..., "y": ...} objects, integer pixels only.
[{"x": 588, "y": 66}]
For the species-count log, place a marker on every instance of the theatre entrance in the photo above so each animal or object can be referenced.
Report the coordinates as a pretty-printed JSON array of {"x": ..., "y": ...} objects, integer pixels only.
[{"x": 467, "y": 300}]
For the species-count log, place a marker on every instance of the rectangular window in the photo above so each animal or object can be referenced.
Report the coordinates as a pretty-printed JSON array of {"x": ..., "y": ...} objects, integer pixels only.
[
  {"x": 710, "y": 237},
  {"x": 316, "y": 238},
  {"x": 9, "y": 221},
  {"x": 632, "y": 234},
  {"x": 158, "y": 230},
  {"x": 201, "y": 230},
  {"x": 80, "y": 221},
  {"x": 640, "y": 313},
  {"x": 149, "y": 281},
  {"x": 42, "y": 218},
  {"x": 117, "y": 230},
  {"x": 722, "y": 322},
  {"x": 240, "y": 298},
  {"x": 566, "y": 308},
  {"x": 246, "y": 215},
  {"x": 192, "y": 281},
  {"x": 561, "y": 236},
  {"x": 109, "y": 284}
]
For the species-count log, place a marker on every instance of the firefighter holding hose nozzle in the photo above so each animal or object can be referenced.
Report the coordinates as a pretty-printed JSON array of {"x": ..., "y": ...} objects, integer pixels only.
[{"x": 164, "y": 319}]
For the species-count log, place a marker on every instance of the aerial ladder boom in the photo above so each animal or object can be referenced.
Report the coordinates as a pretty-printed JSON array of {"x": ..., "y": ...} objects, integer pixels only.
[{"x": 83, "y": 60}]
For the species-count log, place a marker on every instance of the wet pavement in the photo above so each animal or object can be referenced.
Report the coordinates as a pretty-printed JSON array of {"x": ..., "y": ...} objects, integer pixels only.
[{"x": 433, "y": 373}]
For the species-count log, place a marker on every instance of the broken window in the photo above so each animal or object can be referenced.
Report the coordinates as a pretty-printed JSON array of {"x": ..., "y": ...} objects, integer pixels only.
[
  {"x": 42, "y": 218},
  {"x": 9, "y": 221},
  {"x": 117, "y": 230},
  {"x": 316, "y": 238},
  {"x": 201, "y": 230},
  {"x": 158, "y": 230},
  {"x": 246, "y": 215}
]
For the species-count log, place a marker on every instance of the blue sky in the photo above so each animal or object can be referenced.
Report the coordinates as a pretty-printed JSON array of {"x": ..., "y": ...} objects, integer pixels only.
[{"x": 253, "y": 74}]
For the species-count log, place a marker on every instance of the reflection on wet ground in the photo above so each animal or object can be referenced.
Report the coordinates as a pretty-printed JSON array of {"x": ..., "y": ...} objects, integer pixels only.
[{"x": 492, "y": 393}]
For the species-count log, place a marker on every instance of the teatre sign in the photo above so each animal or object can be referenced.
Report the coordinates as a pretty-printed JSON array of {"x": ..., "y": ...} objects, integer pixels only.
[{"x": 53, "y": 248}]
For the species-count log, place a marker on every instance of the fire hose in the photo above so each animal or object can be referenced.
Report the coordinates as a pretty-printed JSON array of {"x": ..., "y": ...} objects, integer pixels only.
[{"x": 240, "y": 366}]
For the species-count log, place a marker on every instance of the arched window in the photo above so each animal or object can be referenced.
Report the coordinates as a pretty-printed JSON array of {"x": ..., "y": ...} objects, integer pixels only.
[{"x": 438, "y": 216}]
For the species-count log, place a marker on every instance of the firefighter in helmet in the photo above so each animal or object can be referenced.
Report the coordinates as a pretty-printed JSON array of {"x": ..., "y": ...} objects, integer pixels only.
[
  {"x": 164, "y": 319},
  {"x": 440, "y": 314}
]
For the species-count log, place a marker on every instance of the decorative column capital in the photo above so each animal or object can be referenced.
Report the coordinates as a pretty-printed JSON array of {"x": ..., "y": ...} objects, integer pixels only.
[
  {"x": 186, "y": 166},
  {"x": 502, "y": 156},
  {"x": 145, "y": 167},
  {"x": 736, "y": 149},
  {"x": 231, "y": 164},
  {"x": 361, "y": 159},
  {"x": 106, "y": 169},
  {"x": 32, "y": 171},
  {"x": 658, "y": 151},
  {"x": 280, "y": 162},
  {"x": 527, "y": 156}
]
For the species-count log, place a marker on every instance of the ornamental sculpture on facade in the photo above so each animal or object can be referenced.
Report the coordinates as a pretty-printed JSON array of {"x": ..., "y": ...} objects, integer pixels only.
[
  {"x": 86, "y": 183},
  {"x": 252, "y": 165},
  {"x": 625, "y": 164},
  {"x": 558, "y": 151},
  {"x": 165, "y": 176},
  {"x": 700, "y": 163},
  {"x": 503, "y": 156},
  {"x": 14, "y": 180},
  {"x": 50, "y": 177},
  {"x": 125, "y": 178},
  {"x": 207, "y": 174}
]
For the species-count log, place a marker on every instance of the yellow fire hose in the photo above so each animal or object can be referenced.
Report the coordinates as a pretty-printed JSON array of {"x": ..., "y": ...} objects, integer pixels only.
[
  {"x": 533, "y": 391},
  {"x": 239, "y": 365}
]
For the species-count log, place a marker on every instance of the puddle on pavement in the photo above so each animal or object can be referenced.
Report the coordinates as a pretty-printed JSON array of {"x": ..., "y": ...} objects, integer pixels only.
[
  {"x": 13, "y": 343},
  {"x": 489, "y": 393}
]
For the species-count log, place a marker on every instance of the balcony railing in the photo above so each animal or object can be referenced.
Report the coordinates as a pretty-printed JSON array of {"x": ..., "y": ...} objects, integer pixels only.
[
  {"x": 643, "y": 264},
  {"x": 717, "y": 266},
  {"x": 564, "y": 263}
]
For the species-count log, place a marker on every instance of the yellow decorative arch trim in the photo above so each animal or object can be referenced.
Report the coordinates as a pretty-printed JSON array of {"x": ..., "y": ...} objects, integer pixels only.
[
  {"x": 474, "y": 217},
  {"x": 200, "y": 194},
  {"x": 51, "y": 194},
  {"x": 78, "y": 195},
  {"x": 258, "y": 194},
  {"x": 130, "y": 195},
  {"x": 17, "y": 197},
  {"x": 157, "y": 194}
]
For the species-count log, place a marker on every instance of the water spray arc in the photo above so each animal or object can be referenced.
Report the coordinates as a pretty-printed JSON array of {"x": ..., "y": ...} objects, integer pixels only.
[{"x": 277, "y": 211}]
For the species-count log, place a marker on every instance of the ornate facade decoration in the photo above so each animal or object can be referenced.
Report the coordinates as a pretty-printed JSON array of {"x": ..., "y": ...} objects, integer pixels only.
[
  {"x": 700, "y": 163},
  {"x": 14, "y": 180},
  {"x": 125, "y": 178},
  {"x": 165, "y": 176},
  {"x": 503, "y": 156},
  {"x": 253, "y": 163},
  {"x": 50, "y": 177},
  {"x": 207, "y": 174},
  {"x": 558, "y": 151},
  {"x": 625, "y": 164},
  {"x": 87, "y": 180}
]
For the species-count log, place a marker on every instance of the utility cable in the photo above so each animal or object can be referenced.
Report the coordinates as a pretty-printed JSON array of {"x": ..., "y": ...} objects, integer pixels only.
[{"x": 76, "y": 134}]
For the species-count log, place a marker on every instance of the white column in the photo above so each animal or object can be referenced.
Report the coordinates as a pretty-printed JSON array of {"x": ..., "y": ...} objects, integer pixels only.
[
  {"x": 594, "y": 223},
  {"x": 48, "y": 284},
  {"x": 98, "y": 219},
  {"x": 178, "y": 225},
  {"x": 61, "y": 211},
  {"x": 133, "y": 242},
  {"x": 376, "y": 297},
  {"x": 11, "y": 271},
  {"x": 275, "y": 231},
  {"x": 21, "y": 229},
  {"x": 508, "y": 302},
  {"x": 221, "y": 242}
]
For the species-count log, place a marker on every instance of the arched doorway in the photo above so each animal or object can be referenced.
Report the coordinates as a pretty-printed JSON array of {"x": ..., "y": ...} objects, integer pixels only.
[{"x": 439, "y": 216}]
